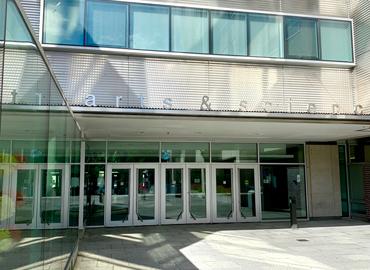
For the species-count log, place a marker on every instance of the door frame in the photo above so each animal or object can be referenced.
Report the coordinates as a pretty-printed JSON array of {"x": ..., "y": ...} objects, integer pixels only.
[
  {"x": 136, "y": 220},
  {"x": 108, "y": 194},
  {"x": 189, "y": 218},
  {"x": 216, "y": 166},
  {"x": 13, "y": 192},
  {"x": 5, "y": 211},
  {"x": 64, "y": 197},
  {"x": 162, "y": 181},
  {"x": 257, "y": 187}
]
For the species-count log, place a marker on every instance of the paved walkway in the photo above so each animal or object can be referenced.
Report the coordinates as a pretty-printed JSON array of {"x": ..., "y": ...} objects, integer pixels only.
[{"x": 336, "y": 244}]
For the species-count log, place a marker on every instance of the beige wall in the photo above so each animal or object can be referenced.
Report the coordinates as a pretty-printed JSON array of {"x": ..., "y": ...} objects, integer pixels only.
[{"x": 323, "y": 181}]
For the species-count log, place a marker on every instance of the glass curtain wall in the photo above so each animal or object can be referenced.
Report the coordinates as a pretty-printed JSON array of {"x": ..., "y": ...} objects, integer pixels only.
[{"x": 33, "y": 166}]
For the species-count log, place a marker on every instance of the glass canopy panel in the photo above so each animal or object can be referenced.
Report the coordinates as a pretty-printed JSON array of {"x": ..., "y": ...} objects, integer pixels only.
[
  {"x": 266, "y": 37},
  {"x": 229, "y": 33},
  {"x": 301, "y": 38},
  {"x": 234, "y": 152},
  {"x": 149, "y": 27},
  {"x": 106, "y": 24},
  {"x": 336, "y": 40},
  {"x": 189, "y": 30},
  {"x": 64, "y": 22}
]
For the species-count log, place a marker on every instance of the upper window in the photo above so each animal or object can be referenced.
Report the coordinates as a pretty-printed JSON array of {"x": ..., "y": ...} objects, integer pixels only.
[
  {"x": 281, "y": 153},
  {"x": 301, "y": 38},
  {"x": 229, "y": 33},
  {"x": 16, "y": 29},
  {"x": 266, "y": 36},
  {"x": 64, "y": 22},
  {"x": 149, "y": 27},
  {"x": 106, "y": 24},
  {"x": 336, "y": 41},
  {"x": 189, "y": 30}
]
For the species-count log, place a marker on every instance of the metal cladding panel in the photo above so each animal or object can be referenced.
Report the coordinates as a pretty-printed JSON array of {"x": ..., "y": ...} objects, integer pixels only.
[
  {"x": 361, "y": 20},
  {"x": 32, "y": 9},
  {"x": 180, "y": 84},
  {"x": 184, "y": 82},
  {"x": 81, "y": 75},
  {"x": 27, "y": 79}
]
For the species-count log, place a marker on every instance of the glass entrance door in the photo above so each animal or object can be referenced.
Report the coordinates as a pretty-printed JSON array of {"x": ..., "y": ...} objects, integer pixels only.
[
  {"x": 119, "y": 195},
  {"x": 235, "y": 193},
  {"x": 173, "y": 202},
  {"x": 5, "y": 200},
  {"x": 38, "y": 196},
  {"x": 146, "y": 194},
  {"x": 198, "y": 199},
  {"x": 223, "y": 193},
  {"x": 247, "y": 190}
]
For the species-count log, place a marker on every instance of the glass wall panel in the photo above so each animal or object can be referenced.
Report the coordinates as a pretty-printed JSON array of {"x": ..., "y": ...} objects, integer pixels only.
[
  {"x": 16, "y": 29},
  {"x": 58, "y": 151},
  {"x": 266, "y": 38},
  {"x": 75, "y": 151},
  {"x": 189, "y": 30},
  {"x": 301, "y": 38},
  {"x": 94, "y": 195},
  {"x": 2, "y": 24},
  {"x": 278, "y": 184},
  {"x": 30, "y": 151},
  {"x": 197, "y": 193},
  {"x": 95, "y": 152},
  {"x": 149, "y": 27},
  {"x": 343, "y": 179},
  {"x": 64, "y": 22},
  {"x": 145, "y": 194},
  {"x": 357, "y": 192},
  {"x": 282, "y": 153},
  {"x": 4, "y": 151},
  {"x": 229, "y": 33},
  {"x": 234, "y": 152},
  {"x": 74, "y": 195},
  {"x": 133, "y": 152},
  {"x": 185, "y": 152},
  {"x": 336, "y": 40},
  {"x": 106, "y": 24}
]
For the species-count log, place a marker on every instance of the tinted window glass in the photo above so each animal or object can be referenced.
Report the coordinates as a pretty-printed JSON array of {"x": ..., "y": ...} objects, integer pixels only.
[
  {"x": 234, "y": 152},
  {"x": 185, "y": 152},
  {"x": 149, "y": 27},
  {"x": 106, "y": 24},
  {"x": 133, "y": 152},
  {"x": 229, "y": 33},
  {"x": 64, "y": 22},
  {"x": 189, "y": 30},
  {"x": 301, "y": 38},
  {"x": 282, "y": 153}
]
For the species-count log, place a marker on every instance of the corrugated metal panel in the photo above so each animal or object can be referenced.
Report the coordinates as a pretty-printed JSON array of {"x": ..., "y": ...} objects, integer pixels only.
[
  {"x": 361, "y": 19},
  {"x": 26, "y": 73},
  {"x": 186, "y": 82},
  {"x": 32, "y": 9}
]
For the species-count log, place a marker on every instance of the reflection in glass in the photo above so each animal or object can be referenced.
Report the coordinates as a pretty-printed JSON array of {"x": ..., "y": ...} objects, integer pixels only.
[
  {"x": 95, "y": 152},
  {"x": 185, "y": 152},
  {"x": 25, "y": 200},
  {"x": 247, "y": 193},
  {"x": 197, "y": 194},
  {"x": 64, "y": 22},
  {"x": 174, "y": 194},
  {"x": 133, "y": 151},
  {"x": 266, "y": 36},
  {"x": 301, "y": 38},
  {"x": 145, "y": 194},
  {"x": 336, "y": 40},
  {"x": 234, "y": 152},
  {"x": 149, "y": 27},
  {"x": 278, "y": 184},
  {"x": 94, "y": 194},
  {"x": 106, "y": 24},
  {"x": 229, "y": 33},
  {"x": 51, "y": 196},
  {"x": 224, "y": 193},
  {"x": 120, "y": 208},
  {"x": 4, "y": 146},
  {"x": 74, "y": 195},
  {"x": 282, "y": 153},
  {"x": 189, "y": 30}
]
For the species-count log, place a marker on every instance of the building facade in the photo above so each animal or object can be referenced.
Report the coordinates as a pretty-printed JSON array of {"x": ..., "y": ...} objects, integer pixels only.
[{"x": 190, "y": 112}]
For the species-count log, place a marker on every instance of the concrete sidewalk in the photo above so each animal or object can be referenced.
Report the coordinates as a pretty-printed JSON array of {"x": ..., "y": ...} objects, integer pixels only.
[{"x": 335, "y": 244}]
